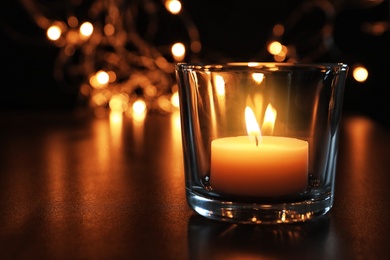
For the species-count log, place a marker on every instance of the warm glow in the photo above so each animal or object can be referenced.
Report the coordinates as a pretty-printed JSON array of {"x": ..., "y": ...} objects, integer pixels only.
[
  {"x": 72, "y": 21},
  {"x": 164, "y": 103},
  {"x": 72, "y": 37},
  {"x": 253, "y": 64},
  {"x": 252, "y": 127},
  {"x": 258, "y": 77},
  {"x": 139, "y": 107},
  {"x": 173, "y": 6},
  {"x": 274, "y": 48},
  {"x": 196, "y": 46},
  {"x": 111, "y": 76},
  {"x": 150, "y": 91},
  {"x": 109, "y": 29},
  {"x": 116, "y": 118},
  {"x": 102, "y": 77},
  {"x": 280, "y": 57},
  {"x": 139, "y": 113},
  {"x": 94, "y": 83},
  {"x": 379, "y": 28},
  {"x": 269, "y": 120},
  {"x": 54, "y": 32},
  {"x": 98, "y": 99},
  {"x": 86, "y": 29},
  {"x": 119, "y": 103},
  {"x": 178, "y": 51},
  {"x": 360, "y": 74},
  {"x": 175, "y": 100},
  {"x": 278, "y": 30},
  {"x": 220, "y": 85}
]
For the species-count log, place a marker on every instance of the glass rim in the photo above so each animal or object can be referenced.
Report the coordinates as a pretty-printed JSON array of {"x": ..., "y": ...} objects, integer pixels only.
[{"x": 258, "y": 65}]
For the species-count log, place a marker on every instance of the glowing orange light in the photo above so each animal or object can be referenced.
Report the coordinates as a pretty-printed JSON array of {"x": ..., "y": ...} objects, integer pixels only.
[
  {"x": 178, "y": 51},
  {"x": 278, "y": 30},
  {"x": 102, "y": 77},
  {"x": 98, "y": 100},
  {"x": 72, "y": 37},
  {"x": 109, "y": 29},
  {"x": 274, "y": 47},
  {"x": 139, "y": 107},
  {"x": 164, "y": 103},
  {"x": 280, "y": 57},
  {"x": 72, "y": 21},
  {"x": 360, "y": 74},
  {"x": 115, "y": 104},
  {"x": 86, "y": 29},
  {"x": 173, "y": 6},
  {"x": 116, "y": 118},
  {"x": 196, "y": 46},
  {"x": 150, "y": 91},
  {"x": 111, "y": 76},
  {"x": 54, "y": 32},
  {"x": 119, "y": 102}
]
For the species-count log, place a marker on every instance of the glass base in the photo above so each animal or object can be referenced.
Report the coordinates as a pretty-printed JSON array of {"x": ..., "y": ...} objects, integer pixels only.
[{"x": 259, "y": 213}]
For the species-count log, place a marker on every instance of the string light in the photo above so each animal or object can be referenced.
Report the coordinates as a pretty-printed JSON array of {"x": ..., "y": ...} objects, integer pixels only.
[
  {"x": 360, "y": 73},
  {"x": 320, "y": 42},
  {"x": 118, "y": 68},
  {"x": 54, "y": 33},
  {"x": 173, "y": 6},
  {"x": 178, "y": 51},
  {"x": 114, "y": 66}
]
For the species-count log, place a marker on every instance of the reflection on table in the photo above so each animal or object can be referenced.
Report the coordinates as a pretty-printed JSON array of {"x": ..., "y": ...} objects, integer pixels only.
[{"x": 82, "y": 187}]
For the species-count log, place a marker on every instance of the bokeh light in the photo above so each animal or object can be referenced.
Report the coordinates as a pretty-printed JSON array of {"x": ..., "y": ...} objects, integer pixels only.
[
  {"x": 86, "y": 29},
  {"x": 274, "y": 47},
  {"x": 178, "y": 51},
  {"x": 173, "y": 6},
  {"x": 54, "y": 32},
  {"x": 360, "y": 73}
]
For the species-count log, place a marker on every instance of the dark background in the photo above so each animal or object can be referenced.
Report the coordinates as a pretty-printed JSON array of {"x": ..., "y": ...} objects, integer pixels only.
[{"x": 229, "y": 31}]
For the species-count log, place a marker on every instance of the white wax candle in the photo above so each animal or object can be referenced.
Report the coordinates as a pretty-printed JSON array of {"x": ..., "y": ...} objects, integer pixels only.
[{"x": 277, "y": 166}]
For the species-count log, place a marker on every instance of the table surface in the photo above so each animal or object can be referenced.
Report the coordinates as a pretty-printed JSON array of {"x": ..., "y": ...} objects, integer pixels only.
[{"x": 77, "y": 187}]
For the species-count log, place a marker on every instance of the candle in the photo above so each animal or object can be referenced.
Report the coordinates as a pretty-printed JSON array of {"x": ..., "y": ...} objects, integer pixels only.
[{"x": 255, "y": 165}]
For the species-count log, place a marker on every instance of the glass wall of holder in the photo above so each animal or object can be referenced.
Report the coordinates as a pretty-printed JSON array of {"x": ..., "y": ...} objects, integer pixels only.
[{"x": 260, "y": 139}]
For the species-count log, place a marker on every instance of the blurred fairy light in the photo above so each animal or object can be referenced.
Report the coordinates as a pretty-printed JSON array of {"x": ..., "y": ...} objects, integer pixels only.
[
  {"x": 54, "y": 33},
  {"x": 173, "y": 6},
  {"x": 360, "y": 73},
  {"x": 108, "y": 53},
  {"x": 139, "y": 106},
  {"x": 285, "y": 43},
  {"x": 86, "y": 29},
  {"x": 103, "y": 53},
  {"x": 275, "y": 47},
  {"x": 178, "y": 51}
]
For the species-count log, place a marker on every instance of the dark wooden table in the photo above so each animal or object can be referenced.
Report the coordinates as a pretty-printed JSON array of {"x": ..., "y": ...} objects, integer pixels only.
[{"x": 76, "y": 187}]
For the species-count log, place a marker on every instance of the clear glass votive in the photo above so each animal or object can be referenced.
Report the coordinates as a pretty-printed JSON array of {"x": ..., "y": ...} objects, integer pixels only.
[{"x": 260, "y": 139}]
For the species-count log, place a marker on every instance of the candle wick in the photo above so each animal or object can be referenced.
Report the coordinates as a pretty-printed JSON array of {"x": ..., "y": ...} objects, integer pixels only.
[{"x": 257, "y": 141}]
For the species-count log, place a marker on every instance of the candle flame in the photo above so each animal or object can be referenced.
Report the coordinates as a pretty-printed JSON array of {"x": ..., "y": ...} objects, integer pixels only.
[
  {"x": 252, "y": 127},
  {"x": 269, "y": 120}
]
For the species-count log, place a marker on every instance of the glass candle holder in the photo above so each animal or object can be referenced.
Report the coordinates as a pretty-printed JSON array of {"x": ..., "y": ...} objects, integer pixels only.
[{"x": 260, "y": 139}]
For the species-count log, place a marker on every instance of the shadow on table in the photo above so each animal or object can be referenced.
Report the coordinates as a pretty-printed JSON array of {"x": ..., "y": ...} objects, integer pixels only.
[{"x": 210, "y": 239}]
